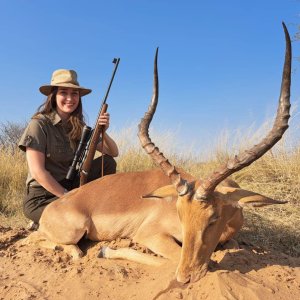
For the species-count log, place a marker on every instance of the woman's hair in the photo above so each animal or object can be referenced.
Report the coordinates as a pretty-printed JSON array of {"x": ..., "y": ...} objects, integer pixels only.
[{"x": 75, "y": 122}]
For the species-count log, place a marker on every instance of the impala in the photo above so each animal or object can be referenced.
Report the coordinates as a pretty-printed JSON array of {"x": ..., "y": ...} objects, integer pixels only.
[{"x": 176, "y": 216}]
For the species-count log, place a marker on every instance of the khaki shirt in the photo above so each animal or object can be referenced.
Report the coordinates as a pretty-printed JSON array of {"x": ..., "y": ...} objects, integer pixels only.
[{"x": 47, "y": 134}]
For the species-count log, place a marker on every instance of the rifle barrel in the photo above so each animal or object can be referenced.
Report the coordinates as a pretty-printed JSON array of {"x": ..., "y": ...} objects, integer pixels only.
[{"x": 116, "y": 62}]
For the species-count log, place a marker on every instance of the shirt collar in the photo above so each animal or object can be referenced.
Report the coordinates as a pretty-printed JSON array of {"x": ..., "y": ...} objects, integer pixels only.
[{"x": 55, "y": 118}]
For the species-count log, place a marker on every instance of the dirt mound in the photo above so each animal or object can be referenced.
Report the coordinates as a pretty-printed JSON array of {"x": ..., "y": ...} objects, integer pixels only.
[{"x": 32, "y": 273}]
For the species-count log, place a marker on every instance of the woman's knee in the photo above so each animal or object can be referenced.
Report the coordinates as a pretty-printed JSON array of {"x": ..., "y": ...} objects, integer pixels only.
[
  {"x": 35, "y": 202},
  {"x": 110, "y": 165},
  {"x": 33, "y": 214}
]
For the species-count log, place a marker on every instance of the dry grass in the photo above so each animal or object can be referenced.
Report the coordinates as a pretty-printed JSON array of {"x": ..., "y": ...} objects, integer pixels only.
[
  {"x": 12, "y": 185},
  {"x": 277, "y": 175}
]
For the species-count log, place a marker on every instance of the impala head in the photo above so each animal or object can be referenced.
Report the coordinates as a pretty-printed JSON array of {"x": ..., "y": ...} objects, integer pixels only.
[
  {"x": 203, "y": 222},
  {"x": 205, "y": 206}
]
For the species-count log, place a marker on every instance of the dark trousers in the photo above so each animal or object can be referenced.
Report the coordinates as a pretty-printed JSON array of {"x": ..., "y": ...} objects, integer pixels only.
[{"x": 37, "y": 198}]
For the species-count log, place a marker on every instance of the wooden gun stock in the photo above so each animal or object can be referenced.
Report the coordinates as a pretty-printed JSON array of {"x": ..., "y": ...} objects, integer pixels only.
[{"x": 86, "y": 166}]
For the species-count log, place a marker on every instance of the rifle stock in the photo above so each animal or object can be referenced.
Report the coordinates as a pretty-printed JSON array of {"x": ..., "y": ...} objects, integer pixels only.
[{"x": 89, "y": 155}]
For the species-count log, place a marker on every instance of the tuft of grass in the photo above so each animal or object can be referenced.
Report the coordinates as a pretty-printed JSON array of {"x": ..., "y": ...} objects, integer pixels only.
[{"x": 12, "y": 183}]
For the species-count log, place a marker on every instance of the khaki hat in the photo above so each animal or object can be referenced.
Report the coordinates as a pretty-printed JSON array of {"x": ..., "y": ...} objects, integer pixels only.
[{"x": 65, "y": 78}]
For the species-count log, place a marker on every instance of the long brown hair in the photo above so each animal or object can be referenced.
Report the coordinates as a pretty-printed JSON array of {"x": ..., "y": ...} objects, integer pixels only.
[{"x": 75, "y": 122}]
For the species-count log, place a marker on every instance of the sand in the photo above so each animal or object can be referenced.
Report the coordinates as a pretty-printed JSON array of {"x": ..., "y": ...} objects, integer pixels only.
[{"x": 28, "y": 272}]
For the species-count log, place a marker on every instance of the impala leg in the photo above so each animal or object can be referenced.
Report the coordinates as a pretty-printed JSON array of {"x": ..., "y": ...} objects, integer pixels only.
[
  {"x": 72, "y": 250},
  {"x": 39, "y": 240},
  {"x": 35, "y": 238},
  {"x": 132, "y": 255},
  {"x": 162, "y": 244}
]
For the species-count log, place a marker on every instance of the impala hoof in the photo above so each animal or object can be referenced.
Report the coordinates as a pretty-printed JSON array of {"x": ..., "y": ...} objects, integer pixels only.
[{"x": 102, "y": 252}]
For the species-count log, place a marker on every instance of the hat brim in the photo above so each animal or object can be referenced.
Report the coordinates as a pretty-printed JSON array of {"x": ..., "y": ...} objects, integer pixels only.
[{"x": 47, "y": 89}]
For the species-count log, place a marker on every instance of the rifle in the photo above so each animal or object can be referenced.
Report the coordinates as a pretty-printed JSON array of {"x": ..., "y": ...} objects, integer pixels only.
[{"x": 85, "y": 152}]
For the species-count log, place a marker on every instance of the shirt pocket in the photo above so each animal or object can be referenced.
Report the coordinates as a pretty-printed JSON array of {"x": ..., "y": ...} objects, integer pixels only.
[{"x": 61, "y": 152}]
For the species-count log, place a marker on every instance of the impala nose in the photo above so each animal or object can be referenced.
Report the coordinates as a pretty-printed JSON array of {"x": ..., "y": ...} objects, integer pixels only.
[
  {"x": 183, "y": 278},
  {"x": 191, "y": 275}
]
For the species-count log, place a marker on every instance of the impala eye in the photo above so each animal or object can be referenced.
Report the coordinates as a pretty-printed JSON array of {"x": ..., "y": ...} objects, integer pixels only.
[{"x": 213, "y": 219}]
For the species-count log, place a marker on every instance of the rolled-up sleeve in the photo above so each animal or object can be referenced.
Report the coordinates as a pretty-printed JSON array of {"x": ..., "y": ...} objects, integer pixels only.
[{"x": 34, "y": 136}]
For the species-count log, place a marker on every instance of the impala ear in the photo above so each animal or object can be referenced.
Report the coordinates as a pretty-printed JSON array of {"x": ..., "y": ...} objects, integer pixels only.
[
  {"x": 244, "y": 197},
  {"x": 257, "y": 200},
  {"x": 167, "y": 191}
]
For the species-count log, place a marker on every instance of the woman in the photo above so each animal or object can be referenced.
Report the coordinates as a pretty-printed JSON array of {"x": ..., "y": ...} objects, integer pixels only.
[{"x": 50, "y": 141}]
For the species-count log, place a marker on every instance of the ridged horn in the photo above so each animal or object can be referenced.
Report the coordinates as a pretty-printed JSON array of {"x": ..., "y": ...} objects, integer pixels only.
[
  {"x": 247, "y": 157},
  {"x": 180, "y": 184}
]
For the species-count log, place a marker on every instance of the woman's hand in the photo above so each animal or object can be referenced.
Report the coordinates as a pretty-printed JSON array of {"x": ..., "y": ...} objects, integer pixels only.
[
  {"x": 104, "y": 120},
  {"x": 109, "y": 146}
]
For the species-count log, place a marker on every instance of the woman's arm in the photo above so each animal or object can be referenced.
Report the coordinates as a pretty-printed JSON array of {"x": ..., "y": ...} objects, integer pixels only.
[
  {"x": 36, "y": 165},
  {"x": 109, "y": 145}
]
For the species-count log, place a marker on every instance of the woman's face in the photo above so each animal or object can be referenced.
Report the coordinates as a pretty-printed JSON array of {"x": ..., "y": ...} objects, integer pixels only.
[{"x": 67, "y": 100}]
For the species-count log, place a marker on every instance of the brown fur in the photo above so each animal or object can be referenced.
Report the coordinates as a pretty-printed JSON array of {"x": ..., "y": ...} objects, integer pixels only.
[{"x": 113, "y": 207}]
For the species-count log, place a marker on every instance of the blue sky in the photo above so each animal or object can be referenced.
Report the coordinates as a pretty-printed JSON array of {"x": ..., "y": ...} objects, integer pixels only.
[{"x": 220, "y": 62}]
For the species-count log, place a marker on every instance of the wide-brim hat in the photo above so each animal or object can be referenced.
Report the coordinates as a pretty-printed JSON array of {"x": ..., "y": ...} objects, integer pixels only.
[{"x": 64, "y": 78}]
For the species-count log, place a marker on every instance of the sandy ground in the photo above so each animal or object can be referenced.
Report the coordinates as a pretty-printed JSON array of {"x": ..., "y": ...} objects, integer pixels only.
[{"x": 27, "y": 272}]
